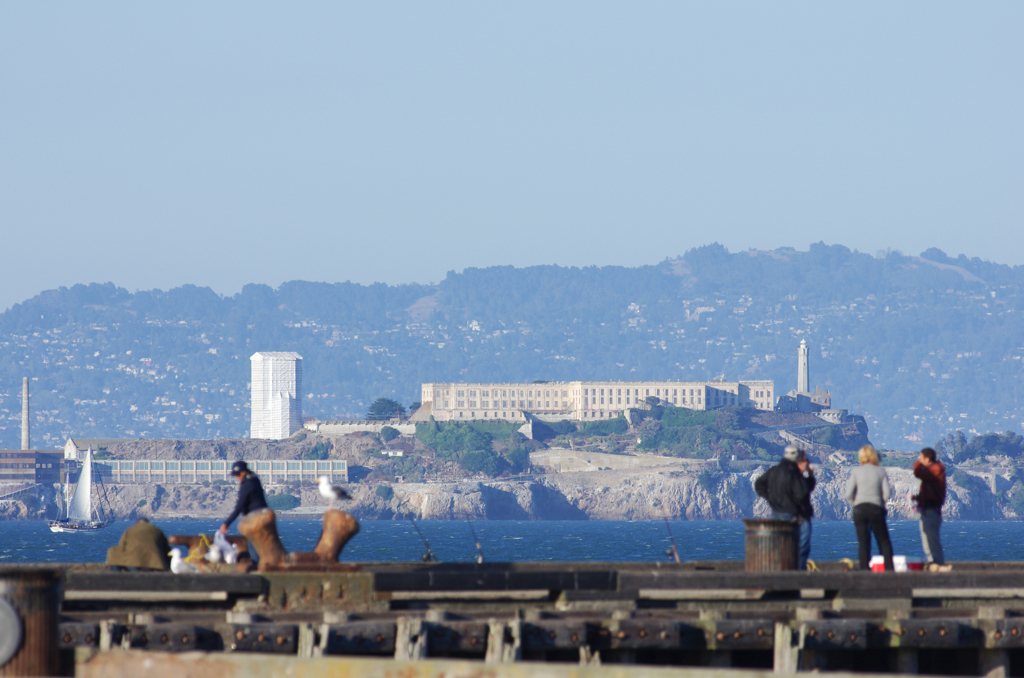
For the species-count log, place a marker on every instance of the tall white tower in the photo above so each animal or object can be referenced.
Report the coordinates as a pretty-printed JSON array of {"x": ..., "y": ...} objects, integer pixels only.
[
  {"x": 276, "y": 394},
  {"x": 802, "y": 379}
]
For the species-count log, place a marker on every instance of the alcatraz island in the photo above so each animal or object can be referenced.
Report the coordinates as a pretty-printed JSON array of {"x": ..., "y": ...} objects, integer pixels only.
[{"x": 598, "y": 450}]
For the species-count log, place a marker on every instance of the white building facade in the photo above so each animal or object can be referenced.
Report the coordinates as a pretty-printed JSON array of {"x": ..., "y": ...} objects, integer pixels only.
[
  {"x": 584, "y": 400},
  {"x": 276, "y": 394}
]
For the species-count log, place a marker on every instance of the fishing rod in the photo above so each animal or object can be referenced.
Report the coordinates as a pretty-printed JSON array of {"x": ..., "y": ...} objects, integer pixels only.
[
  {"x": 479, "y": 552},
  {"x": 674, "y": 552},
  {"x": 429, "y": 556}
]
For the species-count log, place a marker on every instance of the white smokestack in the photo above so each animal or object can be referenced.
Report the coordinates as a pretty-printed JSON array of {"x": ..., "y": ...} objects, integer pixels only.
[{"x": 24, "y": 414}]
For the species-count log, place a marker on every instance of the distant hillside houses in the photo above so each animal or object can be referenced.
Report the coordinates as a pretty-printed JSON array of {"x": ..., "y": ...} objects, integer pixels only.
[{"x": 583, "y": 400}]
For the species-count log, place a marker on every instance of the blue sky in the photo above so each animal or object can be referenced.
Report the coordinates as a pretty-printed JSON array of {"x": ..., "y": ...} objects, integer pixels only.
[{"x": 153, "y": 145}]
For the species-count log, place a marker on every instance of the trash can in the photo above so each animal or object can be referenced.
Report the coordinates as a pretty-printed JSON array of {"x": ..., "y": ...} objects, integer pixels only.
[
  {"x": 29, "y": 603},
  {"x": 772, "y": 545}
]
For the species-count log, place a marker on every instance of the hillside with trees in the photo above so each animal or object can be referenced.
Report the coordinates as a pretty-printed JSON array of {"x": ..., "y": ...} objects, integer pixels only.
[{"x": 921, "y": 346}]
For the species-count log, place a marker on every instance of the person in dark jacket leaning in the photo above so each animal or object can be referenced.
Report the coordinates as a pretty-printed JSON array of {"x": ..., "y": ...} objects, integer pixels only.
[
  {"x": 787, "y": 489},
  {"x": 250, "y": 493}
]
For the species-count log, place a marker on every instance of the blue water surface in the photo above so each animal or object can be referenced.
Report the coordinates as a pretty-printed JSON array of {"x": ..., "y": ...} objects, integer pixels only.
[{"x": 500, "y": 541}]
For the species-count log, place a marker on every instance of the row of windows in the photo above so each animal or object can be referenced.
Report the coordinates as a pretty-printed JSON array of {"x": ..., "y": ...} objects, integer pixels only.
[
  {"x": 546, "y": 404},
  {"x": 492, "y": 415},
  {"x": 504, "y": 393}
]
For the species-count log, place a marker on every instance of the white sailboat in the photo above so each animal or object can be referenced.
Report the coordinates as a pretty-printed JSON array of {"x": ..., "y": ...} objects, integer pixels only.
[{"x": 79, "y": 516}]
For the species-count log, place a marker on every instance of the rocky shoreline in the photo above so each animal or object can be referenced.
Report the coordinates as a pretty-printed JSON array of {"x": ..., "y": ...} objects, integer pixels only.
[{"x": 597, "y": 495}]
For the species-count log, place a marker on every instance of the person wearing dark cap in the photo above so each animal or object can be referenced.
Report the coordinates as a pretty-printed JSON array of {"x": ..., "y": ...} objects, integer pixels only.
[
  {"x": 250, "y": 493},
  {"x": 787, "y": 489}
]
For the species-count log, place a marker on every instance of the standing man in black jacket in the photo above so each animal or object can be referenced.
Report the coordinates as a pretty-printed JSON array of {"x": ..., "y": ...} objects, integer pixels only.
[
  {"x": 250, "y": 493},
  {"x": 787, "y": 488}
]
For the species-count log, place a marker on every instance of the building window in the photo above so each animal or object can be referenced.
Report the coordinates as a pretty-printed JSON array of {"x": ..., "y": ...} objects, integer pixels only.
[
  {"x": 485, "y": 404},
  {"x": 565, "y": 403},
  {"x": 565, "y": 394},
  {"x": 460, "y": 414},
  {"x": 627, "y": 400},
  {"x": 446, "y": 403},
  {"x": 472, "y": 394},
  {"x": 461, "y": 394},
  {"x": 547, "y": 394},
  {"x": 472, "y": 403},
  {"x": 504, "y": 403},
  {"x": 602, "y": 393},
  {"x": 462, "y": 403}
]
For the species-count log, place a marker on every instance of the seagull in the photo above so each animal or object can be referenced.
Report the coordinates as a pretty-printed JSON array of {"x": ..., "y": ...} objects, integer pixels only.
[
  {"x": 332, "y": 492},
  {"x": 179, "y": 566},
  {"x": 214, "y": 554}
]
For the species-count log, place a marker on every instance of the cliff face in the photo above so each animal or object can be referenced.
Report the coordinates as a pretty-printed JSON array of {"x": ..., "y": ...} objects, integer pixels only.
[{"x": 601, "y": 495}]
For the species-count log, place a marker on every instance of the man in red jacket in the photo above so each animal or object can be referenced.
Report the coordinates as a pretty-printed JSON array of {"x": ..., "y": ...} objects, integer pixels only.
[{"x": 929, "y": 502}]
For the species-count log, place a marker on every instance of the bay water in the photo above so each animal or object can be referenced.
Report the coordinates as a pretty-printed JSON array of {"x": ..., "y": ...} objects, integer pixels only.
[{"x": 504, "y": 541}]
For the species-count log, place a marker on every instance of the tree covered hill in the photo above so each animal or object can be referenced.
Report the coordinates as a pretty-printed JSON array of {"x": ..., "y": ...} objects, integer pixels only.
[{"x": 921, "y": 346}]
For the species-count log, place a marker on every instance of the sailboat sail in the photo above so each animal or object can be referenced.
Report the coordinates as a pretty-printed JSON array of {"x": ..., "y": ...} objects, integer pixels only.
[{"x": 80, "y": 507}]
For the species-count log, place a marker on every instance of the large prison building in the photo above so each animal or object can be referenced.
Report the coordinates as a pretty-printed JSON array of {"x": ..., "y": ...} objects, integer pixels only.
[{"x": 583, "y": 400}]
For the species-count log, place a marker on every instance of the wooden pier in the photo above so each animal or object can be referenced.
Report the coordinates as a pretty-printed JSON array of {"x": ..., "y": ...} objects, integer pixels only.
[{"x": 969, "y": 621}]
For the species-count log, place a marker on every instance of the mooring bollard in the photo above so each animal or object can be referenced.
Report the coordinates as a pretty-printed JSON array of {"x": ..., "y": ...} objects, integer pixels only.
[
  {"x": 28, "y": 622},
  {"x": 338, "y": 528},
  {"x": 772, "y": 545},
  {"x": 260, "y": 528}
]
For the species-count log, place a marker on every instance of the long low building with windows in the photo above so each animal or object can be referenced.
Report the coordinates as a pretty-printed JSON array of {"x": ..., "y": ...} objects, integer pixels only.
[
  {"x": 583, "y": 400},
  {"x": 271, "y": 471}
]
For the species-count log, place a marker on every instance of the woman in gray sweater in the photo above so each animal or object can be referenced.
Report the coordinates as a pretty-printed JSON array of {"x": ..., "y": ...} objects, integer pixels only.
[{"x": 868, "y": 491}]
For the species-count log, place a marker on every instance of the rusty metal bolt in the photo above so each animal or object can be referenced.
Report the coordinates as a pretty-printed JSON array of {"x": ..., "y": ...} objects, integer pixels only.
[
  {"x": 643, "y": 633},
  {"x": 760, "y": 633},
  {"x": 664, "y": 635},
  {"x": 736, "y": 634},
  {"x": 88, "y": 637},
  {"x": 621, "y": 635},
  {"x": 380, "y": 638},
  {"x": 184, "y": 640},
  {"x": 67, "y": 637},
  {"x": 811, "y": 633},
  {"x": 830, "y": 635},
  {"x": 942, "y": 630},
  {"x": 921, "y": 633},
  {"x": 163, "y": 638},
  {"x": 261, "y": 638},
  {"x": 575, "y": 637},
  {"x": 998, "y": 635},
  {"x": 1014, "y": 631},
  {"x": 853, "y": 637},
  {"x": 280, "y": 640},
  {"x": 900, "y": 631},
  {"x": 603, "y": 632},
  {"x": 472, "y": 641},
  {"x": 240, "y": 635},
  {"x": 552, "y": 634},
  {"x": 719, "y": 636}
]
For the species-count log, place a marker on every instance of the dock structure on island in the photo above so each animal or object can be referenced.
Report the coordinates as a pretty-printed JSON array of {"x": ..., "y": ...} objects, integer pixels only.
[{"x": 578, "y": 619}]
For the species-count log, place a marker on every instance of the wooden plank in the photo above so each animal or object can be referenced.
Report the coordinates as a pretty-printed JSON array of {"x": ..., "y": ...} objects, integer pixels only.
[
  {"x": 236, "y": 584},
  {"x": 884, "y": 584},
  {"x": 147, "y": 596},
  {"x": 494, "y": 580},
  {"x": 525, "y": 594}
]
